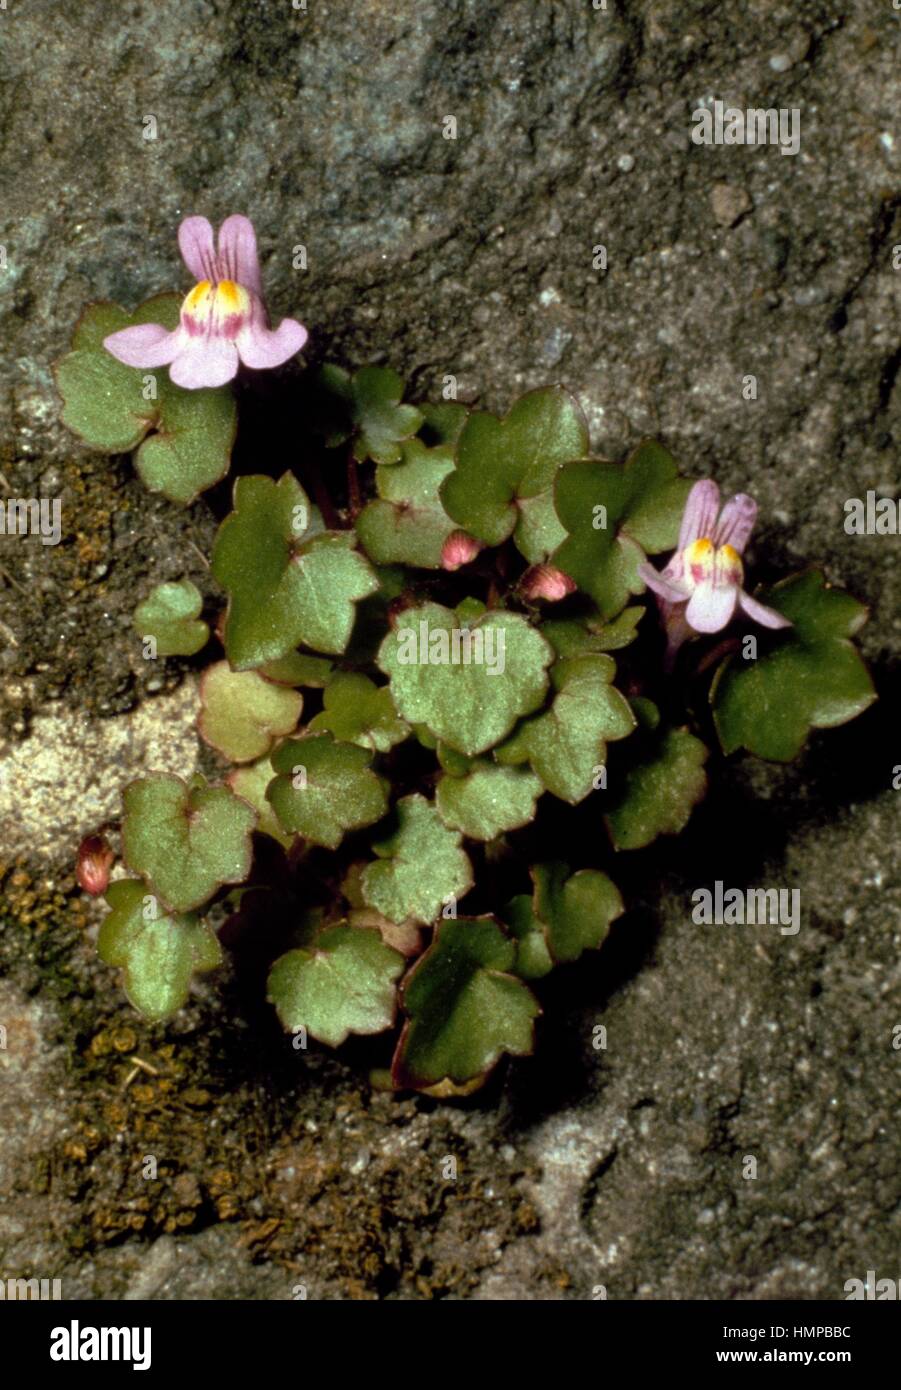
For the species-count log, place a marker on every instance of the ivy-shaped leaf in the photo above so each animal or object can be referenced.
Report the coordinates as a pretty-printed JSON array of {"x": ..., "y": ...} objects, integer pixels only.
[
  {"x": 465, "y": 1008},
  {"x": 251, "y": 783},
  {"x": 298, "y": 668},
  {"x": 615, "y": 515},
  {"x": 359, "y": 711},
  {"x": 809, "y": 677},
  {"x": 186, "y": 840},
  {"x": 406, "y": 524},
  {"x": 468, "y": 681},
  {"x": 533, "y": 959},
  {"x": 170, "y": 614},
  {"x": 442, "y": 423},
  {"x": 421, "y": 866},
  {"x": 324, "y": 788},
  {"x": 368, "y": 406},
  {"x": 538, "y": 532},
  {"x": 158, "y": 954},
  {"x": 567, "y": 744},
  {"x": 575, "y": 909},
  {"x": 285, "y": 588},
  {"x": 344, "y": 982},
  {"x": 501, "y": 462},
  {"x": 113, "y": 407},
  {"x": 242, "y": 714},
  {"x": 582, "y": 637},
  {"x": 487, "y": 800},
  {"x": 660, "y": 792}
]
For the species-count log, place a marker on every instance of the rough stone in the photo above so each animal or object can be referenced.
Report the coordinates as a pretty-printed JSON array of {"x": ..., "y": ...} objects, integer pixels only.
[{"x": 473, "y": 256}]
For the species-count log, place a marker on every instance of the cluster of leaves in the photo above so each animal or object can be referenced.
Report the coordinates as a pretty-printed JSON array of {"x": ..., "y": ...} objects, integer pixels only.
[{"x": 397, "y": 731}]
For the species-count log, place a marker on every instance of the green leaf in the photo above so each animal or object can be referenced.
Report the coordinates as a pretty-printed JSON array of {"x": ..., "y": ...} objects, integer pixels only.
[
  {"x": 191, "y": 449},
  {"x": 187, "y": 841},
  {"x": 242, "y": 714},
  {"x": 810, "y": 676},
  {"x": 344, "y": 982},
  {"x": 251, "y": 783},
  {"x": 565, "y": 915},
  {"x": 104, "y": 403},
  {"x": 581, "y": 637},
  {"x": 297, "y": 668},
  {"x": 488, "y": 800},
  {"x": 660, "y": 792},
  {"x": 367, "y": 405},
  {"x": 406, "y": 523},
  {"x": 614, "y": 515},
  {"x": 442, "y": 423},
  {"x": 533, "y": 959},
  {"x": 170, "y": 615},
  {"x": 158, "y": 954},
  {"x": 575, "y": 909},
  {"x": 538, "y": 531},
  {"x": 324, "y": 788},
  {"x": 465, "y": 705},
  {"x": 420, "y": 867},
  {"x": 465, "y": 1008},
  {"x": 501, "y": 462},
  {"x": 567, "y": 744},
  {"x": 103, "y": 400},
  {"x": 284, "y": 589},
  {"x": 358, "y": 711}
]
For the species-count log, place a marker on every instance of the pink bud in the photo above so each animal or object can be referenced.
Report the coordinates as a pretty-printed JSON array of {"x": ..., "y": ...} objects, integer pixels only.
[
  {"x": 95, "y": 859},
  {"x": 459, "y": 549},
  {"x": 544, "y": 581}
]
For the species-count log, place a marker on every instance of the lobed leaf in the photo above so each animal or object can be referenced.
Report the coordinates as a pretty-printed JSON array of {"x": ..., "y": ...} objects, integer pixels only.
[
  {"x": 285, "y": 587},
  {"x": 485, "y": 800},
  {"x": 567, "y": 744},
  {"x": 640, "y": 506},
  {"x": 406, "y": 524},
  {"x": 463, "y": 704},
  {"x": 158, "y": 953},
  {"x": 660, "y": 792},
  {"x": 187, "y": 435},
  {"x": 465, "y": 1009},
  {"x": 324, "y": 789},
  {"x": 187, "y": 841},
  {"x": 344, "y": 982},
  {"x": 504, "y": 462},
  {"x": 421, "y": 866},
  {"x": 356, "y": 710},
  {"x": 170, "y": 614},
  {"x": 810, "y": 677},
  {"x": 242, "y": 714}
]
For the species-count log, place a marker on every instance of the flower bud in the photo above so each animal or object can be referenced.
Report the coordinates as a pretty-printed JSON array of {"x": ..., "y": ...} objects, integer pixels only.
[
  {"x": 546, "y": 582},
  {"x": 95, "y": 859},
  {"x": 459, "y": 549}
]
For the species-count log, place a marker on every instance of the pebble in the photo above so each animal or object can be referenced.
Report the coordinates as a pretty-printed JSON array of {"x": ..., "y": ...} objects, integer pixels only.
[{"x": 729, "y": 203}]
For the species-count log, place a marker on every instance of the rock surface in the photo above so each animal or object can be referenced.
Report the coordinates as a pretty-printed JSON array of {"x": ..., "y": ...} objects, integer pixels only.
[{"x": 470, "y": 256}]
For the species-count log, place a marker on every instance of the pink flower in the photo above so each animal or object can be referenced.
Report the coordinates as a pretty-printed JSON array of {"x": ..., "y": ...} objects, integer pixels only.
[
  {"x": 222, "y": 319},
  {"x": 459, "y": 549},
  {"x": 701, "y": 586},
  {"x": 95, "y": 859},
  {"x": 546, "y": 582}
]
